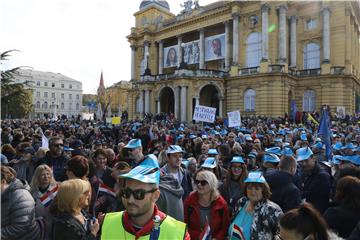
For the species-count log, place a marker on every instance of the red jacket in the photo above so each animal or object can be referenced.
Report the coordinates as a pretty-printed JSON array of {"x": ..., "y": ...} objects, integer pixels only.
[{"x": 219, "y": 217}]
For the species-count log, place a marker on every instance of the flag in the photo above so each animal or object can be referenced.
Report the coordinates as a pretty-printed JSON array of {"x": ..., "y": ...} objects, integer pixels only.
[
  {"x": 44, "y": 141},
  {"x": 99, "y": 113},
  {"x": 103, "y": 189},
  {"x": 206, "y": 233},
  {"x": 311, "y": 118},
  {"x": 324, "y": 132},
  {"x": 49, "y": 195},
  {"x": 293, "y": 110},
  {"x": 237, "y": 233}
]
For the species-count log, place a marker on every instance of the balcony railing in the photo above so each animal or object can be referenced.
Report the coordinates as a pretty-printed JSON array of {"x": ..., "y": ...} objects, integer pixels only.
[
  {"x": 249, "y": 71},
  {"x": 186, "y": 73},
  {"x": 276, "y": 68},
  {"x": 305, "y": 72},
  {"x": 337, "y": 70}
]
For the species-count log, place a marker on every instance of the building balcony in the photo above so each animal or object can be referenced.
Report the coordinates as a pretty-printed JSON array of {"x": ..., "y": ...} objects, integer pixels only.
[
  {"x": 337, "y": 70},
  {"x": 180, "y": 73},
  {"x": 249, "y": 71},
  {"x": 305, "y": 72},
  {"x": 276, "y": 68}
]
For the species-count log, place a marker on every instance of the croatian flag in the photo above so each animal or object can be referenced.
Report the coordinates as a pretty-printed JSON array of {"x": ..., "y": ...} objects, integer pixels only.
[
  {"x": 237, "y": 234},
  {"x": 103, "y": 189},
  {"x": 206, "y": 233},
  {"x": 47, "y": 197}
]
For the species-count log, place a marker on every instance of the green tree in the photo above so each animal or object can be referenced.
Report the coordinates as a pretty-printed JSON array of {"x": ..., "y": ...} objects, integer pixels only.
[{"x": 16, "y": 97}]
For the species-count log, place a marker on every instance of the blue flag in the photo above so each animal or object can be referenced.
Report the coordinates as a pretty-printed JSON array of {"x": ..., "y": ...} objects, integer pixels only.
[
  {"x": 324, "y": 132},
  {"x": 293, "y": 110}
]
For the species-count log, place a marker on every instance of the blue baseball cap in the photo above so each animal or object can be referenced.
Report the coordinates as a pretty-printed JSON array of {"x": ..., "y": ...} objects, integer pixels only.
[
  {"x": 237, "y": 159},
  {"x": 318, "y": 145},
  {"x": 349, "y": 146},
  {"x": 213, "y": 151},
  {"x": 255, "y": 177},
  {"x": 248, "y": 138},
  {"x": 134, "y": 143},
  {"x": 287, "y": 151},
  {"x": 252, "y": 154},
  {"x": 336, "y": 159},
  {"x": 337, "y": 146},
  {"x": 355, "y": 159},
  {"x": 274, "y": 150},
  {"x": 174, "y": 149},
  {"x": 278, "y": 140},
  {"x": 303, "y": 154},
  {"x": 303, "y": 137},
  {"x": 210, "y": 162},
  {"x": 271, "y": 157},
  {"x": 192, "y": 136}
]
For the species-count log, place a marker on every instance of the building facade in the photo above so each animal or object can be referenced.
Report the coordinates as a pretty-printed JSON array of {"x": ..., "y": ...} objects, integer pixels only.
[
  {"x": 256, "y": 57},
  {"x": 53, "y": 93}
]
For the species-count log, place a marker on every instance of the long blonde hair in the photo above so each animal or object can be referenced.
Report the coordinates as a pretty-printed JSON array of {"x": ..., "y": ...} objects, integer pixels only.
[
  {"x": 35, "y": 179},
  {"x": 212, "y": 180},
  {"x": 70, "y": 193}
]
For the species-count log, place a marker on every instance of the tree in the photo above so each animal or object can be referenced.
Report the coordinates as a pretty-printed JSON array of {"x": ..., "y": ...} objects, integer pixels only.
[{"x": 16, "y": 97}]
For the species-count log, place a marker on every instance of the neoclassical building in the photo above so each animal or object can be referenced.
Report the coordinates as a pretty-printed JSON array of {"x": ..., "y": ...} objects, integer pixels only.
[{"x": 256, "y": 57}]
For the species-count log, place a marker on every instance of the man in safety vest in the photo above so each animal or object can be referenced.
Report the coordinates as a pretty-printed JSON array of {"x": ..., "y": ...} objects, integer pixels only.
[{"x": 142, "y": 219}]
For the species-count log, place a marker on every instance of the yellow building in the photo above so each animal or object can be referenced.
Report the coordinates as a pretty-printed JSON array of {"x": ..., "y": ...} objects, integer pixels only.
[
  {"x": 255, "y": 57},
  {"x": 118, "y": 94}
]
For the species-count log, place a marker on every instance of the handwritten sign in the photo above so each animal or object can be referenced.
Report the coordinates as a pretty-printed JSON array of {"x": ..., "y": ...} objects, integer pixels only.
[{"x": 204, "y": 114}]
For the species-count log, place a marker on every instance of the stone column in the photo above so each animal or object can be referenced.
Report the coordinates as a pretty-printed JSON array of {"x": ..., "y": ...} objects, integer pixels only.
[
  {"x": 179, "y": 51},
  {"x": 133, "y": 51},
  {"x": 282, "y": 33},
  {"x": 326, "y": 35},
  {"x": 158, "y": 106},
  {"x": 183, "y": 98},
  {"x": 197, "y": 102},
  {"x": 176, "y": 102},
  {"x": 161, "y": 56},
  {"x": 147, "y": 101},
  {"x": 293, "y": 22},
  {"x": 202, "y": 48},
  {"x": 146, "y": 51},
  {"x": 141, "y": 110},
  {"x": 235, "y": 38},
  {"x": 264, "y": 32},
  {"x": 221, "y": 103},
  {"x": 227, "y": 45}
]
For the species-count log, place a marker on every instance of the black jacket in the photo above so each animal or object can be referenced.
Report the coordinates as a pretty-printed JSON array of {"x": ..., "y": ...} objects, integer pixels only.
[
  {"x": 342, "y": 220},
  {"x": 57, "y": 164},
  {"x": 284, "y": 191}
]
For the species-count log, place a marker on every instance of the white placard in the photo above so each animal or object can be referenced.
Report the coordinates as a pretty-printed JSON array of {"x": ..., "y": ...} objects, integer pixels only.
[
  {"x": 340, "y": 112},
  {"x": 204, "y": 114},
  {"x": 234, "y": 119}
]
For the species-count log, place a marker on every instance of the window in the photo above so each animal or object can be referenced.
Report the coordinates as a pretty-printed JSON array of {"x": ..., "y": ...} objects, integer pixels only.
[
  {"x": 37, "y": 83},
  {"x": 309, "y": 101},
  {"x": 45, "y": 94},
  {"x": 253, "y": 50},
  {"x": 249, "y": 100},
  {"x": 37, "y": 104},
  {"x": 70, "y": 86},
  {"x": 37, "y": 94},
  {"x": 77, "y": 96},
  {"x": 77, "y": 106},
  {"x": 70, "y": 96},
  {"x": 138, "y": 104},
  {"x": 62, "y": 105},
  {"x": 62, "y": 96},
  {"x": 70, "y": 106},
  {"x": 62, "y": 85},
  {"x": 52, "y": 84},
  {"x": 311, "y": 56},
  {"x": 45, "y": 105},
  {"x": 53, "y": 95},
  {"x": 45, "y": 84},
  {"x": 311, "y": 24}
]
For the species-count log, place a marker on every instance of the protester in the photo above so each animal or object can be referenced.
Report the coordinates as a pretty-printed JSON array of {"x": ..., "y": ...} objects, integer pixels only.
[
  {"x": 17, "y": 208},
  {"x": 77, "y": 167},
  {"x": 205, "y": 208}
]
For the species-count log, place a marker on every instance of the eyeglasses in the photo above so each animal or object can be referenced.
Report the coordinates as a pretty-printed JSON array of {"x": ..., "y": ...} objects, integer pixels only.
[
  {"x": 201, "y": 182},
  {"x": 203, "y": 149},
  {"x": 58, "y": 145},
  {"x": 138, "y": 194},
  {"x": 236, "y": 168}
]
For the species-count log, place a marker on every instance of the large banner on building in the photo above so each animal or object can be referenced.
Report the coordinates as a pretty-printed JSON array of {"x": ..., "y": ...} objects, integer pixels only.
[
  {"x": 170, "y": 56},
  {"x": 192, "y": 52},
  {"x": 204, "y": 114},
  {"x": 234, "y": 119},
  {"x": 215, "y": 47}
]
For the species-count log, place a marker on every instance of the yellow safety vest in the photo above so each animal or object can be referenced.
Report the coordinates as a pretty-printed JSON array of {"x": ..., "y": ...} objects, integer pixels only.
[{"x": 113, "y": 229}]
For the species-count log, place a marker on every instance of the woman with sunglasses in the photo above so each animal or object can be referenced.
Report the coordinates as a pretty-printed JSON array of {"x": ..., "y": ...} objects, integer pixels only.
[
  {"x": 233, "y": 187},
  {"x": 256, "y": 217},
  {"x": 205, "y": 209}
]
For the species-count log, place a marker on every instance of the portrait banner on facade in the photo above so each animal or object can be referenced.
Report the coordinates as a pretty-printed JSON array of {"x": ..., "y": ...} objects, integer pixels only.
[
  {"x": 204, "y": 114},
  {"x": 215, "y": 47},
  {"x": 170, "y": 56},
  {"x": 340, "y": 112},
  {"x": 191, "y": 52},
  {"x": 234, "y": 119}
]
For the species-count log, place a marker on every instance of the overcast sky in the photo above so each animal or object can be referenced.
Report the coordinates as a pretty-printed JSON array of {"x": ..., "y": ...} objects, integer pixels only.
[{"x": 77, "y": 38}]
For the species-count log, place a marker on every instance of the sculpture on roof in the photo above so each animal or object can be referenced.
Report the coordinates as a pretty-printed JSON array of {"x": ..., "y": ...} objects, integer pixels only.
[{"x": 188, "y": 7}]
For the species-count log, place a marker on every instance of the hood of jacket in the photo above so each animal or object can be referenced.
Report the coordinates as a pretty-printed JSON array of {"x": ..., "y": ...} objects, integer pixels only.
[
  {"x": 13, "y": 186},
  {"x": 170, "y": 184}
]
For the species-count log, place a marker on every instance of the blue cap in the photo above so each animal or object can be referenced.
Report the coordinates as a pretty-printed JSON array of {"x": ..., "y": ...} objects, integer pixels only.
[
  {"x": 303, "y": 154},
  {"x": 181, "y": 129},
  {"x": 278, "y": 140},
  {"x": 355, "y": 159},
  {"x": 174, "y": 149},
  {"x": 252, "y": 154},
  {"x": 271, "y": 157},
  {"x": 237, "y": 159},
  {"x": 185, "y": 162},
  {"x": 303, "y": 137},
  {"x": 275, "y": 150},
  {"x": 287, "y": 151},
  {"x": 281, "y": 132},
  {"x": 68, "y": 149},
  {"x": 248, "y": 138},
  {"x": 286, "y": 144},
  {"x": 336, "y": 159},
  {"x": 255, "y": 177},
  {"x": 337, "y": 146},
  {"x": 318, "y": 145},
  {"x": 192, "y": 136},
  {"x": 213, "y": 151},
  {"x": 204, "y": 136},
  {"x": 271, "y": 132},
  {"x": 349, "y": 146},
  {"x": 210, "y": 162},
  {"x": 133, "y": 143}
]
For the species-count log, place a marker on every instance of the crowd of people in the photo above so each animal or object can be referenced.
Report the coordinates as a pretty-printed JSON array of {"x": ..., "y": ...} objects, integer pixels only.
[{"x": 162, "y": 179}]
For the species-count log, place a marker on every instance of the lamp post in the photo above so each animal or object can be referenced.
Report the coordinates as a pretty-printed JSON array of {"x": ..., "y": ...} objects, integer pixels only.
[
  {"x": 147, "y": 70},
  {"x": 183, "y": 64}
]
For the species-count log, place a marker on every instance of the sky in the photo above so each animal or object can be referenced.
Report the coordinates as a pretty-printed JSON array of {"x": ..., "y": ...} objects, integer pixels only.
[{"x": 77, "y": 38}]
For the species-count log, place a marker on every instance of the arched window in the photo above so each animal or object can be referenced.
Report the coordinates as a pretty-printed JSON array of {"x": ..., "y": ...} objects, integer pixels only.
[
  {"x": 311, "y": 56},
  {"x": 138, "y": 104},
  {"x": 37, "y": 104},
  {"x": 253, "y": 50},
  {"x": 309, "y": 101},
  {"x": 45, "y": 105},
  {"x": 249, "y": 100}
]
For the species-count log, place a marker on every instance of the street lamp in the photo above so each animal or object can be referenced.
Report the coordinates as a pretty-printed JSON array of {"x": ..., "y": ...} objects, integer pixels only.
[
  {"x": 147, "y": 70},
  {"x": 183, "y": 64}
]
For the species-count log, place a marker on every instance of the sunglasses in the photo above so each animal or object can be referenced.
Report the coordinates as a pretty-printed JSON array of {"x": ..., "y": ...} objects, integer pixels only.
[
  {"x": 201, "y": 182},
  {"x": 138, "y": 194},
  {"x": 58, "y": 145}
]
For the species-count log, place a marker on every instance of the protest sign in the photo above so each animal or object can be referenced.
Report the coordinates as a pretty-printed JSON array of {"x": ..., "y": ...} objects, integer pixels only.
[
  {"x": 115, "y": 120},
  {"x": 234, "y": 119},
  {"x": 205, "y": 114}
]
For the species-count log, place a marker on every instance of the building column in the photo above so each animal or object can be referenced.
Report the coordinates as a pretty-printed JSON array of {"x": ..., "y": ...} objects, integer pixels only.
[
  {"x": 264, "y": 32},
  {"x": 147, "y": 101},
  {"x": 179, "y": 51},
  {"x": 146, "y": 53},
  {"x": 235, "y": 38},
  {"x": 221, "y": 103},
  {"x": 133, "y": 50},
  {"x": 202, "y": 48},
  {"x": 176, "y": 102},
  {"x": 293, "y": 22},
  {"x": 282, "y": 33},
  {"x": 197, "y": 102},
  {"x": 141, "y": 110},
  {"x": 158, "y": 106},
  {"x": 326, "y": 35},
  {"x": 183, "y": 106},
  {"x": 161, "y": 56},
  {"x": 227, "y": 45}
]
